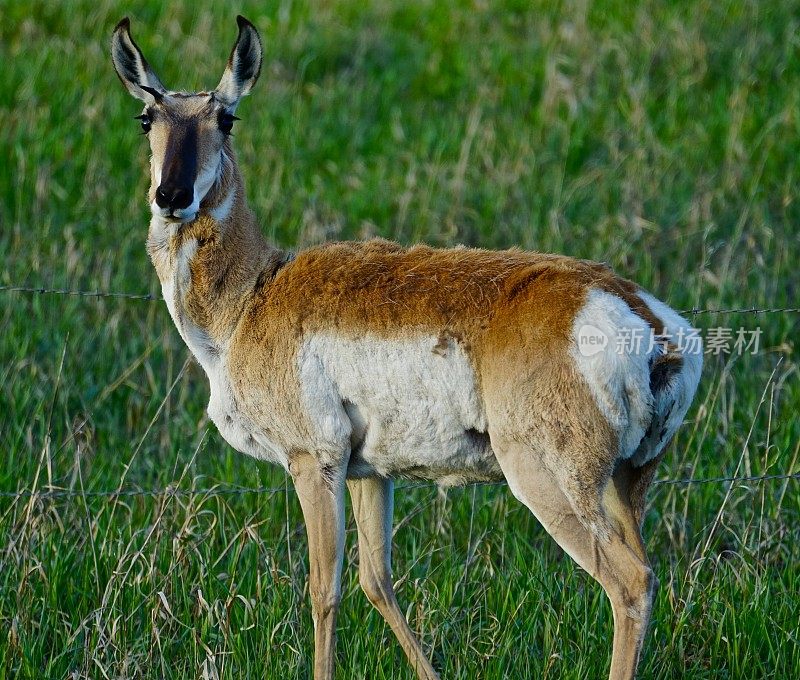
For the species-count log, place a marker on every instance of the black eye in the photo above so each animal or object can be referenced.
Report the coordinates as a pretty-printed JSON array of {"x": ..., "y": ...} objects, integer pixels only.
[
  {"x": 144, "y": 119},
  {"x": 225, "y": 122}
]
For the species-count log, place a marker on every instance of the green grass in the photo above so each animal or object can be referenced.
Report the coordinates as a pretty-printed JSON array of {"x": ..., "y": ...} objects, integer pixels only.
[{"x": 662, "y": 138}]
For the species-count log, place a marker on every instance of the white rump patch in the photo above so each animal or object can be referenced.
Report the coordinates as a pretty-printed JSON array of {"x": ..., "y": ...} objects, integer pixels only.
[
  {"x": 615, "y": 368},
  {"x": 614, "y": 350},
  {"x": 673, "y": 401}
]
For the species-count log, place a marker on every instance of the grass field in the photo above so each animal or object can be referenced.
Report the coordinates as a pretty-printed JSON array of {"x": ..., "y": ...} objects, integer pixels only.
[{"x": 663, "y": 138}]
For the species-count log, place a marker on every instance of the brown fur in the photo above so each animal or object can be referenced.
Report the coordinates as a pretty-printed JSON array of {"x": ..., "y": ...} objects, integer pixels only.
[{"x": 511, "y": 311}]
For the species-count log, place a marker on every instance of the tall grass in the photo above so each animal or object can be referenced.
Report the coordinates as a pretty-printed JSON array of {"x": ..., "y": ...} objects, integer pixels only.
[{"x": 660, "y": 137}]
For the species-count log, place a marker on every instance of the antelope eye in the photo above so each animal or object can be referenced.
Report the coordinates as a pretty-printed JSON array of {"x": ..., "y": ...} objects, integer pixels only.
[
  {"x": 225, "y": 122},
  {"x": 145, "y": 122}
]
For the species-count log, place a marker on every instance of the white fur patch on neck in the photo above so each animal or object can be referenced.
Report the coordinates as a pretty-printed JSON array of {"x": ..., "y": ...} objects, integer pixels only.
[
  {"x": 205, "y": 180},
  {"x": 221, "y": 212},
  {"x": 158, "y": 239},
  {"x": 173, "y": 290}
]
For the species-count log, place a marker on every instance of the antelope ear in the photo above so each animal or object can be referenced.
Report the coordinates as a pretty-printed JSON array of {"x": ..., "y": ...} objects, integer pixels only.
[
  {"x": 131, "y": 66},
  {"x": 244, "y": 65}
]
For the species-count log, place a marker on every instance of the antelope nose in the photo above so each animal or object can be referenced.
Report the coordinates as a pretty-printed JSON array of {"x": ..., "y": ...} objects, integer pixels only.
[{"x": 174, "y": 198}]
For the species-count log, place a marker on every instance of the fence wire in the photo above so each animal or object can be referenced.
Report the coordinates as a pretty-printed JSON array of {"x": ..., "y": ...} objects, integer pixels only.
[
  {"x": 149, "y": 297},
  {"x": 40, "y": 290},
  {"x": 225, "y": 490}
]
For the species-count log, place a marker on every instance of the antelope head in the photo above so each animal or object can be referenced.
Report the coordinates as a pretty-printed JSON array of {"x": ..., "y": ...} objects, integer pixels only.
[{"x": 188, "y": 131}]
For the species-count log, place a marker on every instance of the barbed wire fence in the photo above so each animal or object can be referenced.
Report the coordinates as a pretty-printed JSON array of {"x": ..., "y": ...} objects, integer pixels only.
[
  {"x": 226, "y": 490},
  {"x": 171, "y": 491},
  {"x": 149, "y": 297}
]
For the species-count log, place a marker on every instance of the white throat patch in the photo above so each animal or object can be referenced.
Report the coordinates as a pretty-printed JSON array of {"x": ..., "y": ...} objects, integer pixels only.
[{"x": 221, "y": 212}]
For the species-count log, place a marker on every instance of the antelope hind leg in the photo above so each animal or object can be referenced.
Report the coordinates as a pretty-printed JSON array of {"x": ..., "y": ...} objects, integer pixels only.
[{"x": 601, "y": 540}]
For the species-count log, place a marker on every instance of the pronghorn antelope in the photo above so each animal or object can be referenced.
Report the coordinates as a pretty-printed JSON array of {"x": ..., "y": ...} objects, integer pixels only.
[{"x": 353, "y": 364}]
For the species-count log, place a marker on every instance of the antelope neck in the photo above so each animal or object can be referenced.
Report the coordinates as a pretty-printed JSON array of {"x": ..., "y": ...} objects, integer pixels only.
[{"x": 210, "y": 267}]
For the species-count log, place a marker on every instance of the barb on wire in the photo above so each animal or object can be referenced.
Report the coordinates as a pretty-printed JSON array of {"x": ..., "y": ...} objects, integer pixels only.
[
  {"x": 224, "y": 490},
  {"x": 695, "y": 311},
  {"x": 80, "y": 293},
  {"x": 720, "y": 480}
]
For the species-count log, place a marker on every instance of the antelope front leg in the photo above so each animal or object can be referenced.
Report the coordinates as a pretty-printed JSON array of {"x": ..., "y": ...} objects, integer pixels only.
[
  {"x": 372, "y": 505},
  {"x": 322, "y": 500}
]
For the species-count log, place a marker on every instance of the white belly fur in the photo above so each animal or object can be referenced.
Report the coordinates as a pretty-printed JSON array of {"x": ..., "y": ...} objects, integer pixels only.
[{"x": 405, "y": 407}]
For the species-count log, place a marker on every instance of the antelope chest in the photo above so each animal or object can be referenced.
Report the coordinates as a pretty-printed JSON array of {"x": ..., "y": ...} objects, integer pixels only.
[
  {"x": 234, "y": 425},
  {"x": 224, "y": 408}
]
